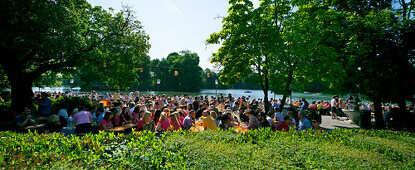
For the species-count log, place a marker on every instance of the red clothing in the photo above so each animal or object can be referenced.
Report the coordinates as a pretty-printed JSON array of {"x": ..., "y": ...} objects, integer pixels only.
[
  {"x": 282, "y": 126},
  {"x": 135, "y": 117},
  {"x": 165, "y": 124},
  {"x": 181, "y": 120},
  {"x": 140, "y": 125},
  {"x": 184, "y": 113},
  {"x": 116, "y": 121},
  {"x": 104, "y": 122},
  {"x": 176, "y": 125}
]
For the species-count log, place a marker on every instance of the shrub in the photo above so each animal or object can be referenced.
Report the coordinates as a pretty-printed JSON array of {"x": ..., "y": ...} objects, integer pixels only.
[{"x": 258, "y": 149}]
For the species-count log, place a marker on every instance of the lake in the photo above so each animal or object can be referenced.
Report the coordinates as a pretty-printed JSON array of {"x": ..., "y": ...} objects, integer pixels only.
[{"x": 211, "y": 92}]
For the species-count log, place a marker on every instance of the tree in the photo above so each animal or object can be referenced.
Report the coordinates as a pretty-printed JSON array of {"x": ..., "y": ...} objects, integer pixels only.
[
  {"x": 375, "y": 48},
  {"x": 178, "y": 72},
  {"x": 40, "y": 36},
  {"x": 251, "y": 42}
]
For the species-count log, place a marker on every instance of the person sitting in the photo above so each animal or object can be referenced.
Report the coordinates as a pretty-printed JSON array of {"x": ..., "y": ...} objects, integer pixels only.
[
  {"x": 253, "y": 123},
  {"x": 116, "y": 119},
  {"x": 208, "y": 122},
  {"x": 263, "y": 120},
  {"x": 136, "y": 114},
  {"x": 101, "y": 113},
  {"x": 63, "y": 112},
  {"x": 174, "y": 121},
  {"x": 225, "y": 122},
  {"x": 156, "y": 117},
  {"x": 106, "y": 122},
  {"x": 285, "y": 124},
  {"x": 189, "y": 120},
  {"x": 214, "y": 116},
  {"x": 278, "y": 116},
  {"x": 164, "y": 123},
  {"x": 82, "y": 121},
  {"x": 243, "y": 117},
  {"x": 316, "y": 125},
  {"x": 313, "y": 106},
  {"x": 271, "y": 120},
  {"x": 125, "y": 116},
  {"x": 181, "y": 116},
  {"x": 304, "y": 123},
  {"x": 148, "y": 124},
  {"x": 25, "y": 119},
  {"x": 53, "y": 124}
]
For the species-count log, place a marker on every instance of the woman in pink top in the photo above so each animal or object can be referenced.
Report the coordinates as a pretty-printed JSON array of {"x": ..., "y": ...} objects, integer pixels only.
[
  {"x": 106, "y": 122},
  {"x": 140, "y": 125},
  {"x": 136, "y": 114},
  {"x": 82, "y": 121},
  {"x": 176, "y": 125},
  {"x": 116, "y": 119},
  {"x": 164, "y": 123}
]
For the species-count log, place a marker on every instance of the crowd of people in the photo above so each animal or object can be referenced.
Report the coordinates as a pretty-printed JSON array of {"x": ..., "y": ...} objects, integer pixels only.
[{"x": 166, "y": 113}]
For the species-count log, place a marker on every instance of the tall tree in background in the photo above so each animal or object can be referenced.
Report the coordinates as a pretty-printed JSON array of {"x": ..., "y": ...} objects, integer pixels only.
[
  {"x": 251, "y": 42},
  {"x": 375, "y": 47},
  {"x": 185, "y": 64},
  {"x": 39, "y": 36}
]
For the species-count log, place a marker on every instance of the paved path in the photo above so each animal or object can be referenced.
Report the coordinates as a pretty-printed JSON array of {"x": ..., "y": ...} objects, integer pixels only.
[{"x": 328, "y": 123}]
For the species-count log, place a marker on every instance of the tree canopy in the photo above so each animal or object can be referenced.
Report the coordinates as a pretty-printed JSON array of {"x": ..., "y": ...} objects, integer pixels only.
[
  {"x": 63, "y": 36},
  {"x": 180, "y": 71}
]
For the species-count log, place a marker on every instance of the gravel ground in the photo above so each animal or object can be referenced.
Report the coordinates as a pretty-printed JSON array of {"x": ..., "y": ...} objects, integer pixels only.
[{"x": 329, "y": 124}]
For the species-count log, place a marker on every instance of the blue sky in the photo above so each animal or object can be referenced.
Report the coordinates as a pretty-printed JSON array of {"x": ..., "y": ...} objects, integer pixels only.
[{"x": 176, "y": 25}]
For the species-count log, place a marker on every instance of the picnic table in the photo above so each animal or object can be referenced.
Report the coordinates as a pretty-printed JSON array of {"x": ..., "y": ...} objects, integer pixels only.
[
  {"x": 240, "y": 127},
  {"x": 126, "y": 128},
  {"x": 198, "y": 126},
  {"x": 34, "y": 127}
]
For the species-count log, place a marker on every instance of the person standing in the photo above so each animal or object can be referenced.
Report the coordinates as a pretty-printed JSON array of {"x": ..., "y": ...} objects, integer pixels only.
[
  {"x": 333, "y": 104},
  {"x": 82, "y": 121},
  {"x": 45, "y": 105},
  {"x": 305, "y": 104}
]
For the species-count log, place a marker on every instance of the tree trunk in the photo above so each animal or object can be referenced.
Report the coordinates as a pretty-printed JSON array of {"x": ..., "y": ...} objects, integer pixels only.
[
  {"x": 21, "y": 92},
  {"x": 284, "y": 97},
  {"x": 287, "y": 89},
  {"x": 266, "y": 102},
  {"x": 379, "y": 124}
]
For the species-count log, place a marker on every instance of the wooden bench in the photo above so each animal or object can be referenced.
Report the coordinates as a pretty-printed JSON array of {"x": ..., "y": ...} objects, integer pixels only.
[
  {"x": 126, "y": 128},
  {"x": 32, "y": 128}
]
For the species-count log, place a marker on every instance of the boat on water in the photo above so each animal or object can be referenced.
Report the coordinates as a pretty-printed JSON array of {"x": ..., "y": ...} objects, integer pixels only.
[{"x": 247, "y": 92}]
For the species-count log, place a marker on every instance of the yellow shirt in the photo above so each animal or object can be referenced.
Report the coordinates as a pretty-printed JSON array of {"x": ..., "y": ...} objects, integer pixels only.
[
  {"x": 318, "y": 106},
  {"x": 209, "y": 123}
]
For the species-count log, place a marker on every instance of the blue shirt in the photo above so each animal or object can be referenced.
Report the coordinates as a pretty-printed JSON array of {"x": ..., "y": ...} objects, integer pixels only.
[
  {"x": 279, "y": 116},
  {"x": 304, "y": 106},
  {"x": 187, "y": 122},
  {"x": 100, "y": 117},
  {"x": 304, "y": 124},
  {"x": 46, "y": 109}
]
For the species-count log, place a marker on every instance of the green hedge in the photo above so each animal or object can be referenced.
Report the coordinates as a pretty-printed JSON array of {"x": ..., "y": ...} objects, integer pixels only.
[{"x": 259, "y": 149}]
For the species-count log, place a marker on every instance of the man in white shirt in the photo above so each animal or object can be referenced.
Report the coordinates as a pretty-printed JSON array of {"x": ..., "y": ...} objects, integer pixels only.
[{"x": 333, "y": 104}]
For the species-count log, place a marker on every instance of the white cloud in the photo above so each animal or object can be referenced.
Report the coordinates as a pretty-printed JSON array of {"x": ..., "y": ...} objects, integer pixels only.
[{"x": 173, "y": 8}]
